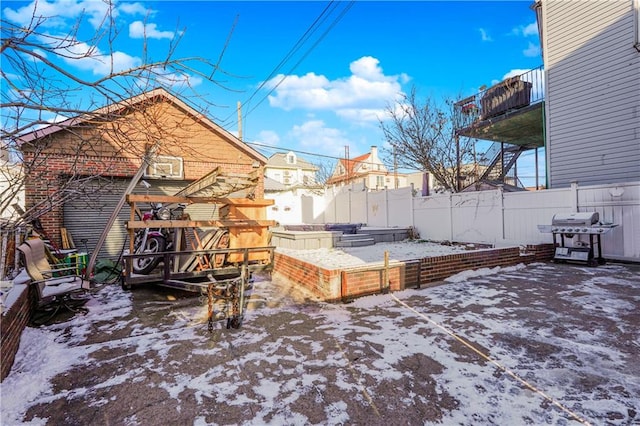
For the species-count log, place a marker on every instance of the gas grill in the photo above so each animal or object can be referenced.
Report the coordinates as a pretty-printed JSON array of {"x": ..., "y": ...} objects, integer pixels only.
[{"x": 569, "y": 225}]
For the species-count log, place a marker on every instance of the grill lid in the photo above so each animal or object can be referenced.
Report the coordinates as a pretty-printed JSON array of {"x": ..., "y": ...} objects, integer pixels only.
[{"x": 580, "y": 219}]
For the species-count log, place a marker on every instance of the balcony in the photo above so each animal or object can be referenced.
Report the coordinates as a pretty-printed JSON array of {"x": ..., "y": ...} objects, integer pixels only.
[{"x": 508, "y": 112}]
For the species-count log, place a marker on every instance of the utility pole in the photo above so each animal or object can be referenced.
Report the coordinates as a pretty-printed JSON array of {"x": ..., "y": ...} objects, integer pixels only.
[
  {"x": 346, "y": 162},
  {"x": 239, "y": 120},
  {"x": 457, "y": 185},
  {"x": 395, "y": 168}
]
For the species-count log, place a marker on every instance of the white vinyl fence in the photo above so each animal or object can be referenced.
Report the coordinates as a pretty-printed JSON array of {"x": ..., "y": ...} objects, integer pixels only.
[{"x": 495, "y": 217}]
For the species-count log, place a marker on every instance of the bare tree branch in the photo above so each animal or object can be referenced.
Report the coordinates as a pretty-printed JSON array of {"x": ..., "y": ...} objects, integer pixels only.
[
  {"x": 41, "y": 87},
  {"x": 421, "y": 136}
]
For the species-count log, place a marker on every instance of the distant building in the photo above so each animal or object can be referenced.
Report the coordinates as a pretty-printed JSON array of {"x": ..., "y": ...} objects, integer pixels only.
[
  {"x": 290, "y": 181},
  {"x": 423, "y": 183},
  {"x": 11, "y": 187},
  {"x": 291, "y": 171},
  {"x": 368, "y": 170}
]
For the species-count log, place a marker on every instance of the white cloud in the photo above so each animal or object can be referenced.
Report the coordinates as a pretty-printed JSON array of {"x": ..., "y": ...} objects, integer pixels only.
[
  {"x": 513, "y": 73},
  {"x": 139, "y": 29},
  {"x": 484, "y": 35},
  {"x": 134, "y": 9},
  {"x": 56, "y": 14},
  {"x": 532, "y": 50},
  {"x": 89, "y": 58},
  {"x": 529, "y": 30},
  {"x": 371, "y": 115},
  {"x": 366, "y": 89},
  {"x": 268, "y": 137},
  {"x": 315, "y": 136},
  {"x": 535, "y": 77}
]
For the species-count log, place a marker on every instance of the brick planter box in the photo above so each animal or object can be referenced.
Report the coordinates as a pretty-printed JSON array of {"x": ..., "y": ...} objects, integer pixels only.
[{"x": 345, "y": 284}]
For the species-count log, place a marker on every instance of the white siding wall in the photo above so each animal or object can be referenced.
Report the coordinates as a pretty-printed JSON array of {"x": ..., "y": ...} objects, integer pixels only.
[
  {"x": 8, "y": 178},
  {"x": 593, "y": 92}
]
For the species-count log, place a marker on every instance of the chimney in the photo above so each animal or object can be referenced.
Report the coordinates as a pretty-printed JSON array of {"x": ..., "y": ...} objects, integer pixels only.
[{"x": 374, "y": 151}]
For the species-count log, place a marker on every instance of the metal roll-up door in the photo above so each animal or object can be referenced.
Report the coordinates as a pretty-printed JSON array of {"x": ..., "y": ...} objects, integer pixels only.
[{"x": 86, "y": 216}]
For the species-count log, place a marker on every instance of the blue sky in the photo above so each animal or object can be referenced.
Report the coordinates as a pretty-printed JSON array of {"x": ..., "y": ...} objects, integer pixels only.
[{"x": 316, "y": 88}]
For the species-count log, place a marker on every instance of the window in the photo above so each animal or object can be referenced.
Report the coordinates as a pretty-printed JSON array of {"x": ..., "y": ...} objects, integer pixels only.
[
  {"x": 379, "y": 181},
  {"x": 291, "y": 158}
]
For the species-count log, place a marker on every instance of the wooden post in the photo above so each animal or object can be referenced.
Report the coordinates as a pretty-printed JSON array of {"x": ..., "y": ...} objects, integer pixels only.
[
  {"x": 385, "y": 284},
  {"x": 114, "y": 215}
]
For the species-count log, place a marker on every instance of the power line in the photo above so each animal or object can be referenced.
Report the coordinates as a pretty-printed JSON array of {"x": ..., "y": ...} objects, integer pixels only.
[
  {"x": 297, "y": 151},
  {"x": 326, "y": 12},
  {"x": 276, "y": 149},
  {"x": 310, "y": 30},
  {"x": 335, "y": 22}
]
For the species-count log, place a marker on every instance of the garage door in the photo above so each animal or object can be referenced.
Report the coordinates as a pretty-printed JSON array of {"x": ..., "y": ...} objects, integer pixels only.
[{"x": 86, "y": 216}]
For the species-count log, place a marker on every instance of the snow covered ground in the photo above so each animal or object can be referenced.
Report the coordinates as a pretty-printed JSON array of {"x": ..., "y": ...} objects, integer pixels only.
[
  {"x": 526, "y": 345},
  {"x": 335, "y": 258}
]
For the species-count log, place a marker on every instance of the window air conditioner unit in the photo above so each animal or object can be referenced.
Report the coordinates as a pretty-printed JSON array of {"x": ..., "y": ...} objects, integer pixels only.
[{"x": 165, "y": 167}]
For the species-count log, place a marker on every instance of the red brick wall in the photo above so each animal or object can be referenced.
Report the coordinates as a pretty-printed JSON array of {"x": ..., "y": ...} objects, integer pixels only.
[
  {"x": 346, "y": 284},
  {"x": 541, "y": 252},
  {"x": 13, "y": 322},
  {"x": 45, "y": 181},
  {"x": 98, "y": 149},
  {"x": 364, "y": 282},
  {"x": 323, "y": 283},
  {"x": 440, "y": 267}
]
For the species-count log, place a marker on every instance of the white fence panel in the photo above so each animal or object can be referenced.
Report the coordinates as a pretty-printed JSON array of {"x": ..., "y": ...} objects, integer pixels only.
[
  {"x": 477, "y": 216},
  {"x": 358, "y": 204},
  {"x": 330, "y": 207},
  {"x": 342, "y": 208},
  {"x": 400, "y": 209},
  {"x": 432, "y": 217},
  {"x": 313, "y": 208},
  {"x": 524, "y": 211},
  {"x": 377, "y": 214},
  {"x": 618, "y": 204},
  {"x": 496, "y": 217}
]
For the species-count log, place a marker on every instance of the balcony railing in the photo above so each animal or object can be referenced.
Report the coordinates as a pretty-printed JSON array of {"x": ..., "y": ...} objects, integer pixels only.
[{"x": 510, "y": 94}]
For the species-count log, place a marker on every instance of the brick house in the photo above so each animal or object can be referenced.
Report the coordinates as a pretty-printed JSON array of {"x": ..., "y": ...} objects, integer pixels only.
[{"x": 79, "y": 169}]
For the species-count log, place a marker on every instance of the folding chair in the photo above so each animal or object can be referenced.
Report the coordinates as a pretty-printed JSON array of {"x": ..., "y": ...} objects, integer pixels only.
[{"x": 56, "y": 288}]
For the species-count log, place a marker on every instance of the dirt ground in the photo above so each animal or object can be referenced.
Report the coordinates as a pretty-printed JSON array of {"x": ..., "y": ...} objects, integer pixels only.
[{"x": 538, "y": 344}]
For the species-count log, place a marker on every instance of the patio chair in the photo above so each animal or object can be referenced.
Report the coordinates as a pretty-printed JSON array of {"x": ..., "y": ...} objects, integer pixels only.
[{"x": 55, "y": 288}]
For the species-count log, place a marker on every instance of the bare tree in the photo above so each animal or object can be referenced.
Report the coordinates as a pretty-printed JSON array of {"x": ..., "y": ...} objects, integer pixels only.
[
  {"x": 40, "y": 87},
  {"x": 324, "y": 170},
  {"x": 421, "y": 135}
]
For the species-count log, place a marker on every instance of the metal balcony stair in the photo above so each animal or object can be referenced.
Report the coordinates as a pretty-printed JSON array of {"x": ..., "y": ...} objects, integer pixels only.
[{"x": 503, "y": 161}]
